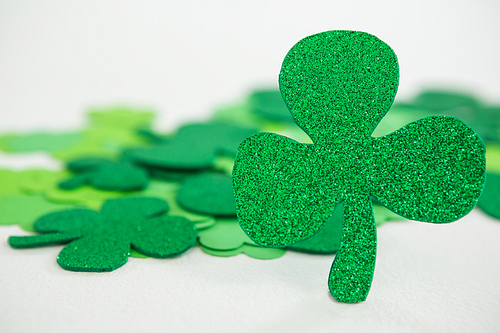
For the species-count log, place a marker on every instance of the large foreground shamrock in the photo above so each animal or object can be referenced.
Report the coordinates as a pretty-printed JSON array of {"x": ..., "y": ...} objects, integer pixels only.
[
  {"x": 338, "y": 85},
  {"x": 102, "y": 242}
]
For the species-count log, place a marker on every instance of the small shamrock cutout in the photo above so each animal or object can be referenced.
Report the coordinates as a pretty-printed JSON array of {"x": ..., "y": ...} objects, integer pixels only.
[
  {"x": 338, "y": 85},
  {"x": 101, "y": 242},
  {"x": 195, "y": 146},
  {"x": 105, "y": 174}
]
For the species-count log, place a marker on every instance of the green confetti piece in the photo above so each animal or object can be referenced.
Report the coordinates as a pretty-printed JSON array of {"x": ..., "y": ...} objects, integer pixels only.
[
  {"x": 194, "y": 147},
  {"x": 170, "y": 175},
  {"x": 102, "y": 142},
  {"x": 101, "y": 242},
  {"x": 208, "y": 194},
  {"x": 46, "y": 182},
  {"x": 327, "y": 240},
  {"x": 485, "y": 120},
  {"x": 24, "y": 210},
  {"x": 226, "y": 234},
  {"x": 338, "y": 85},
  {"x": 489, "y": 202},
  {"x": 383, "y": 215},
  {"x": 226, "y": 238},
  {"x": 135, "y": 254},
  {"x": 240, "y": 114},
  {"x": 224, "y": 164},
  {"x": 270, "y": 105},
  {"x": 104, "y": 174},
  {"x": 442, "y": 100},
  {"x": 257, "y": 252},
  {"x": 397, "y": 117},
  {"x": 121, "y": 117},
  {"x": 9, "y": 182},
  {"x": 493, "y": 158},
  {"x": 168, "y": 192},
  {"x": 48, "y": 142}
]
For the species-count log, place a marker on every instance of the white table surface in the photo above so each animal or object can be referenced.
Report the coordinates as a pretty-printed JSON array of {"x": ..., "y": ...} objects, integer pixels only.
[{"x": 185, "y": 58}]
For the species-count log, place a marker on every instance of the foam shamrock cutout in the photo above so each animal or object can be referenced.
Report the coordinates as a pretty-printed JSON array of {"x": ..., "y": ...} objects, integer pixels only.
[
  {"x": 195, "y": 146},
  {"x": 338, "y": 85},
  {"x": 209, "y": 194},
  {"x": 101, "y": 242},
  {"x": 226, "y": 239},
  {"x": 105, "y": 174},
  {"x": 489, "y": 202},
  {"x": 25, "y": 209}
]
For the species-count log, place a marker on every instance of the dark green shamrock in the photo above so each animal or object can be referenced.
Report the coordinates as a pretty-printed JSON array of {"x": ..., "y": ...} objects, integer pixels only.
[
  {"x": 270, "y": 105},
  {"x": 338, "y": 85},
  {"x": 489, "y": 201},
  {"x": 105, "y": 174},
  {"x": 209, "y": 194},
  {"x": 194, "y": 147},
  {"x": 102, "y": 242}
]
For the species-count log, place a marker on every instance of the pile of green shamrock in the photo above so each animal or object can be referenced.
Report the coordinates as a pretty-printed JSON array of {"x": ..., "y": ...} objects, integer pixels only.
[
  {"x": 239, "y": 184},
  {"x": 130, "y": 192}
]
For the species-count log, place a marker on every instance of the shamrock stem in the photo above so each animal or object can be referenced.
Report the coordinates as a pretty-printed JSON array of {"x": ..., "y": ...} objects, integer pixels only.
[
  {"x": 21, "y": 242},
  {"x": 352, "y": 270}
]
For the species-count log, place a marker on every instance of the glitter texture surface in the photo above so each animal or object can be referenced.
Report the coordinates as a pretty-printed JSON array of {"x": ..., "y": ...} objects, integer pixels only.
[
  {"x": 338, "y": 85},
  {"x": 102, "y": 242}
]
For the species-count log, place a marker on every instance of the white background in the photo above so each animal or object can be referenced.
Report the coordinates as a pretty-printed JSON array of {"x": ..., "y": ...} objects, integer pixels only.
[{"x": 185, "y": 58}]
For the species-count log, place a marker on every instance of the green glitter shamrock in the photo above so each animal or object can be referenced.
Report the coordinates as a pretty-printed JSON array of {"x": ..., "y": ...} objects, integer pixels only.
[
  {"x": 105, "y": 174},
  {"x": 338, "y": 85},
  {"x": 102, "y": 242}
]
